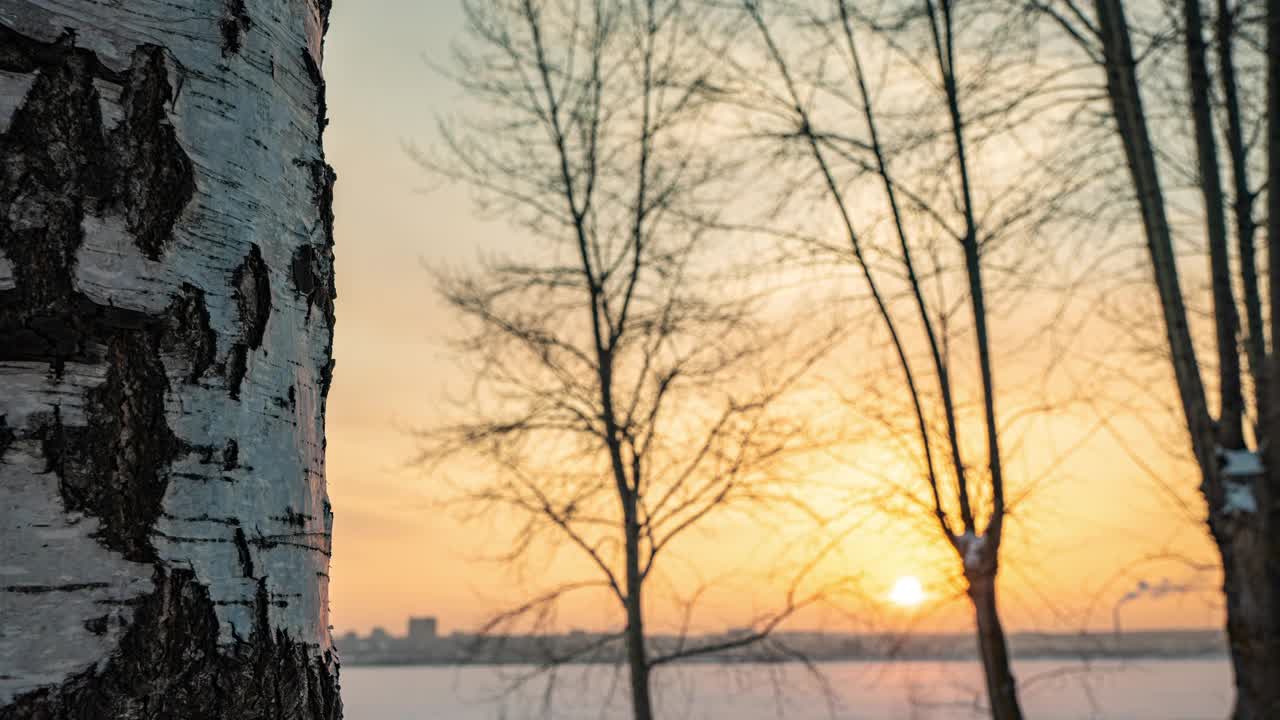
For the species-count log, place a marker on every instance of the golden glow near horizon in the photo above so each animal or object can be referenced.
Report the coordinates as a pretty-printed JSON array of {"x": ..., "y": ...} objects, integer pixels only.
[
  {"x": 1091, "y": 506},
  {"x": 907, "y": 592}
]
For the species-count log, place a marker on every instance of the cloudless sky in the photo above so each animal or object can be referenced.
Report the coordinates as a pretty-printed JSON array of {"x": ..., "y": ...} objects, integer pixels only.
[
  {"x": 395, "y": 554},
  {"x": 398, "y": 554}
]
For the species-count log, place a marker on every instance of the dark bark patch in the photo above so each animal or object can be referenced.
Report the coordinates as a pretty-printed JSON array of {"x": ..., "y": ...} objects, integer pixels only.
[
  {"x": 189, "y": 332},
  {"x": 116, "y": 467},
  {"x": 156, "y": 178},
  {"x": 302, "y": 271},
  {"x": 77, "y": 331},
  {"x": 98, "y": 625},
  {"x": 41, "y": 589},
  {"x": 231, "y": 455},
  {"x": 324, "y": 6},
  {"x": 55, "y": 160},
  {"x": 22, "y": 54},
  {"x": 311, "y": 271},
  {"x": 293, "y": 518},
  {"x": 7, "y": 436},
  {"x": 323, "y": 178},
  {"x": 317, "y": 79},
  {"x": 59, "y": 165},
  {"x": 205, "y": 517},
  {"x": 311, "y": 268},
  {"x": 242, "y": 551},
  {"x": 61, "y": 162},
  {"x": 287, "y": 403},
  {"x": 326, "y": 377},
  {"x": 251, "y": 282},
  {"x": 234, "y": 24},
  {"x": 169, "y": 664},
  {"x": 206, "y": 453},
  {"x": 237, "y": 366}
]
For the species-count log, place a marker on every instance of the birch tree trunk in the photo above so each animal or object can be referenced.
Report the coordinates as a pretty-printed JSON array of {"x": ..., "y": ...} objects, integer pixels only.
[
  {"x": 166, "y": 320},
  {"x": 997, "y": 669},
  {"x": 1237, "y": 485}
]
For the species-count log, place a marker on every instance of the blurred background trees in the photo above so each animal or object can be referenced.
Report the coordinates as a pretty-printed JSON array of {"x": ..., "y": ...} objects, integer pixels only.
[
  {"x": 627, "y": 387},
  {"x": 933, "y": 192}
]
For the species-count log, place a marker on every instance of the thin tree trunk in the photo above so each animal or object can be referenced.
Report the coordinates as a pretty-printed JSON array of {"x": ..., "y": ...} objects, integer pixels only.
[
  {"x": 1131, "y": 124},
  {"x": 1255, "y": 342},
  {"x": 926, "y": 322},
  {"x": 981, "y": 561},
  {"x": 166, "y": 320},
  {"x": 637, "y": 653},
  {"x": 1238, "y": 505},
  {"x": 1230, "y": 425},
  {"x": 1002, "y": 689}
]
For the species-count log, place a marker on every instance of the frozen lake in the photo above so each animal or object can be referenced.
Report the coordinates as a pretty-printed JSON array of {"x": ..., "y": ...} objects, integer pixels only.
[{"x": 1142, "y": 689}]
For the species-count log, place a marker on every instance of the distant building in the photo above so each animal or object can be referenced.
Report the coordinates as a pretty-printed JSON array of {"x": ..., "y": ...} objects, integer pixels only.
[
  {"x": 349, "y": 641},
  {"x": 379, "y": 639},
  {"x": 422, "y": 632}
]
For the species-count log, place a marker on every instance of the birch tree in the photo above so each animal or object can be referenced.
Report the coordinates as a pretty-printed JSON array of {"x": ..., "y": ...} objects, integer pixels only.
[
  {"x": 166, "y": 324},
  {"x": 1231, "y": 105},
  {"x": 627, "y": 392},
  {"x": 909, "y": 147}
]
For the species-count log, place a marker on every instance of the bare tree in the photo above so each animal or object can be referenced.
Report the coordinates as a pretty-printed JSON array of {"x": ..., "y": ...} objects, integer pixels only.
[
  {"x": 166, "y": 327},
  {"x": 1236, "y": 457},
  {"x": 627, "y": 392},
  {"x": 950, "y": 216}
]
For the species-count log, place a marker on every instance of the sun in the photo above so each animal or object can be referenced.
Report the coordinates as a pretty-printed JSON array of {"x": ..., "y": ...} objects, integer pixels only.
[{"x": 907, "y": 592}]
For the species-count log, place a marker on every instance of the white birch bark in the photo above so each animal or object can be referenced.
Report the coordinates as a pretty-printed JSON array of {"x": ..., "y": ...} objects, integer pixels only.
[{"x": 166, "y": 319}]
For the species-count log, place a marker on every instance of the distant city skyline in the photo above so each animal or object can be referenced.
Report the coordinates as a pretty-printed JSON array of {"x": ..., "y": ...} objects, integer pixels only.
[{"x": 423, "y": 643}]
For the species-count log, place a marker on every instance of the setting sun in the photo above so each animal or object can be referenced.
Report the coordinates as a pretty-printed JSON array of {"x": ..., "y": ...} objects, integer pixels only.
[{"x": 907, "y": 592}]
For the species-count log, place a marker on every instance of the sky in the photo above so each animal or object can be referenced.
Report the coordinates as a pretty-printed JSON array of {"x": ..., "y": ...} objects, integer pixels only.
[
  {"x": 398, "y": 554},
  {"x": 1078, "y": 548}
]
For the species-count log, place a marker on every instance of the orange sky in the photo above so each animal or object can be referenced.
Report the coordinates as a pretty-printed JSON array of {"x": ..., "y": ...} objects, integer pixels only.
[{"x": 396, "y": 555}]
